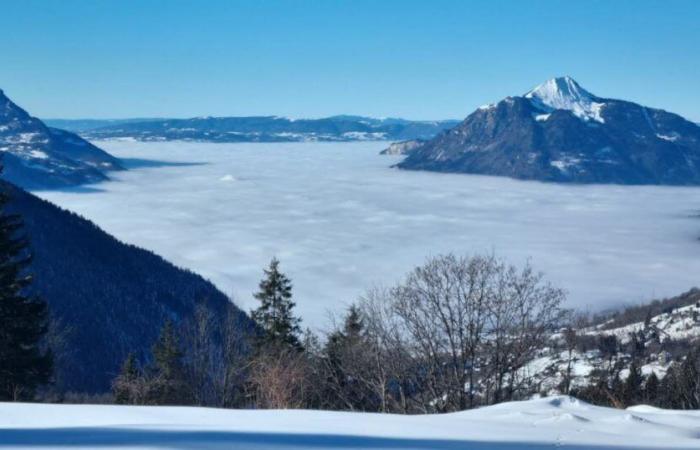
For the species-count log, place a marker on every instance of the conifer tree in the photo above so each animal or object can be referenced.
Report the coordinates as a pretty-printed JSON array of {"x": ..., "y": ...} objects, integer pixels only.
[
  {"x": 345, "y": 357},
  {"x": 688, "y": 381},
  {"x": 668, "y": 390},
  {"x": 633, "y": 385},
  {"x": 274, "y": 315},
  {"x": 23, "y": 318},
  {"x": 651, "y": 389},
  {"x": 169, "y": 386},
  {"x": 354, "y": 325},
  {"x": 126, "y": 384}
]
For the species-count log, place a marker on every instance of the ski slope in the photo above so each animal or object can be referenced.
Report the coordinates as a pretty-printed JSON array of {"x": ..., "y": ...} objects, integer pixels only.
[{"x": 561, "y": 422}]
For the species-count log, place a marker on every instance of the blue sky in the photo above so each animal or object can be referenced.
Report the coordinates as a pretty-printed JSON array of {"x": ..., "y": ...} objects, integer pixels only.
[{"x": 421, "y": 60}]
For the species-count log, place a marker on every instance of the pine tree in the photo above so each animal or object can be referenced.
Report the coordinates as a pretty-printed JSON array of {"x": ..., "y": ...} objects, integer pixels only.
[
  {"x": 168, "y": 383},
  {"x": 354, "y": 325},
  {"x": 345, "y": 355},
  {"x": 23, "y": 319},
  {"x": 651, "y": 389},
  {"x": 274, "y": 315},
  {"x": 688, "y": 381},
  {"x": 633, "y": 385},
  {"x": 669, "y": 389},
  {"x": 126, "y": 384}
]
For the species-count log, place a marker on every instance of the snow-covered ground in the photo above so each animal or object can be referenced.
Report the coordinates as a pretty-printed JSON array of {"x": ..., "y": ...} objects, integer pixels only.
[
  {"x": 554, "y": 422},
  {"x": 340, "y": 219}
]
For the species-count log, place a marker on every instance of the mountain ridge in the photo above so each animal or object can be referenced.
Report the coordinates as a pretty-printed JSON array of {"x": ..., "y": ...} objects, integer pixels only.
[
  {"x": 108, "y": 298},
  {"x": 339, "y": 128},
  {"x": 36, "y": 156},
  {"x": 562, "y": 133}
]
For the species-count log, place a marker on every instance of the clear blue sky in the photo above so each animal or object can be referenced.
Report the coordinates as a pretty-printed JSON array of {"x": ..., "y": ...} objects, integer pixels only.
[{"x": 416, "y": 59}]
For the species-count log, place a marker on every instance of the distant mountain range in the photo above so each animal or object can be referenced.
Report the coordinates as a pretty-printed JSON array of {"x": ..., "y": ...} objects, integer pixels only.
[
  {"x": 258, "y": 129},
  {"x": 560, "y": 132},
  {"x": 36, "y": 156},
  {"x": 109, "y": 298},
  {"x": 81, "y": 125}
]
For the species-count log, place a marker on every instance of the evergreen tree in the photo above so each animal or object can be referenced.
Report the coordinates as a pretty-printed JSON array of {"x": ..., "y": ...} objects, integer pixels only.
[
  {"x": 668, "y": 391},
  {"x": 343, "y": 340},
  {"x": 354, "y": 325},
  {"x": 168, "y": 383},
  {"x": 126, "y": 384},
  {"x": 651, "y": 389},
  {"x": 23, "y": 319},
  {"x": 688, "y": 381},
  {"x": 632, "y": 389},
  {"x": 345, "y": 356},
  {"x": 274, "y": 315}
]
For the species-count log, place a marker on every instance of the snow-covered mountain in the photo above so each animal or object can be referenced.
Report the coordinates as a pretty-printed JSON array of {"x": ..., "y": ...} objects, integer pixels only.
[
  {"x": 565, "y": 93},
  {"x": 270, "y": 129},
  {"x": 560, "y": 132},
  {"x": 36, "y": 156}
]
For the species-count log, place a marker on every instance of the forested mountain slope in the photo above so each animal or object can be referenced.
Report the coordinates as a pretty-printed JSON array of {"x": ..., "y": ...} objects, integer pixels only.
[{"x": 109, "y": 298}]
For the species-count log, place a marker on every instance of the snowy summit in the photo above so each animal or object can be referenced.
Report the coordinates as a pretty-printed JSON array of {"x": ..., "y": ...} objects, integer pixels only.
[
  {"x": 560, "y": 132},
  {"x": 566, "y": 93}
]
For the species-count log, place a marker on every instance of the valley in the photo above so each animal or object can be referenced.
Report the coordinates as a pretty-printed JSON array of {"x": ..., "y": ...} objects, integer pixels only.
[{"x": 341, "y": 220}]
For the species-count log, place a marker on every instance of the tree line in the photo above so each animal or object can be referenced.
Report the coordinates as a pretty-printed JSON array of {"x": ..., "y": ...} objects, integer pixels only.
[
  {"x": 456, "y": 333},
  {"x": 619, "y": 382}
]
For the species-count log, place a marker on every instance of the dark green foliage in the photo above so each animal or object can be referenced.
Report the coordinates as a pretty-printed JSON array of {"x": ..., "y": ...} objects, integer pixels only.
[
  {"x": 688, "y": 382},
  {"x": 632, "y": 389},
  {"x": 668, "y": 395},
  {"x": 124, "y": 385},
  {"x": 113, "y": 297},
  {"x": 168, "y": 384},
  {"x": 23, "y": 317},
  {"x": 651, "y": 390},
  {"x": 678, "y": 389},
  {"x": 274, "y": 315},
  {"x": 344, "y": 359}
]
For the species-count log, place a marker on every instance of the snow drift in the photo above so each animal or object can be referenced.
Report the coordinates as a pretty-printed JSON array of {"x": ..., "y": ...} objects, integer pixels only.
[{"x": 555, "y": 421}]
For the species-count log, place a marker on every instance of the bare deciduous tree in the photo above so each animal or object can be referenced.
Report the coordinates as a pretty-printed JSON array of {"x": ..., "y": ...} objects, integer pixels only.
[
  {"x": 457, "y": 332},
  {"x": 279, "y": 378}
]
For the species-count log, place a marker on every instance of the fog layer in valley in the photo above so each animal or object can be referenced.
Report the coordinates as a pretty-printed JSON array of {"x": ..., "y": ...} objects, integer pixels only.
[{"x": 341, "y": 220}]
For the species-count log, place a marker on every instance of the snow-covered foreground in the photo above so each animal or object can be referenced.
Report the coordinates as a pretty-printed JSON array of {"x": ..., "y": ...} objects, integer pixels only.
[
  {"x": 340, "y": 219},
  {"x": 536, "y": 424}
]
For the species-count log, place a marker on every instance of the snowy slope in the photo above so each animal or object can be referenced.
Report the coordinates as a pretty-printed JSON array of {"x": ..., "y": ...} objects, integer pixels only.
[
  {"x": 674, "y": 324},
  {"x": 35, "y": 156},
  {"x": 561, "y": 132},
  {"x": 681, "y": 323},
  {"x": 565, "y": 93},
  {"x": 535, "y": 424}
]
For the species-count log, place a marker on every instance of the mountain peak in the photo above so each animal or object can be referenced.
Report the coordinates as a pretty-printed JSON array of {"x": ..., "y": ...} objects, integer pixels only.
[
  {"x": 566, "y": 93},
  {"x": 562, "y": 86}
]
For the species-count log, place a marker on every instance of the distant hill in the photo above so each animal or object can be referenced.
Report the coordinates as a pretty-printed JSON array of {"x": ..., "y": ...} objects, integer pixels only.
[
  {"x": 560, "y": 132},
  {"x": 35, "y": 156},
  {"x": 660, "y": 333},
  {"x": 81, "y": 125},
  {"x": 270, "y": 129},
  {"x": 112, "y": 297}
]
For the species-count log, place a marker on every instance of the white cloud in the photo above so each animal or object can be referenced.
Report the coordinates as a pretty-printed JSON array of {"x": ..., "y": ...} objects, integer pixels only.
[{"x": 341, "y": 220}]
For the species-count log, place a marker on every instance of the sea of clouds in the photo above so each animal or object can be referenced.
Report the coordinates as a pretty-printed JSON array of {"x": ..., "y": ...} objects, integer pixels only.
[{"x": 341, "y": 220}]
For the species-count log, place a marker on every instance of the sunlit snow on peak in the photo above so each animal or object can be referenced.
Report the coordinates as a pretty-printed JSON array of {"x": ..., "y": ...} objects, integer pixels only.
[{"x": 566, "y": 93}]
